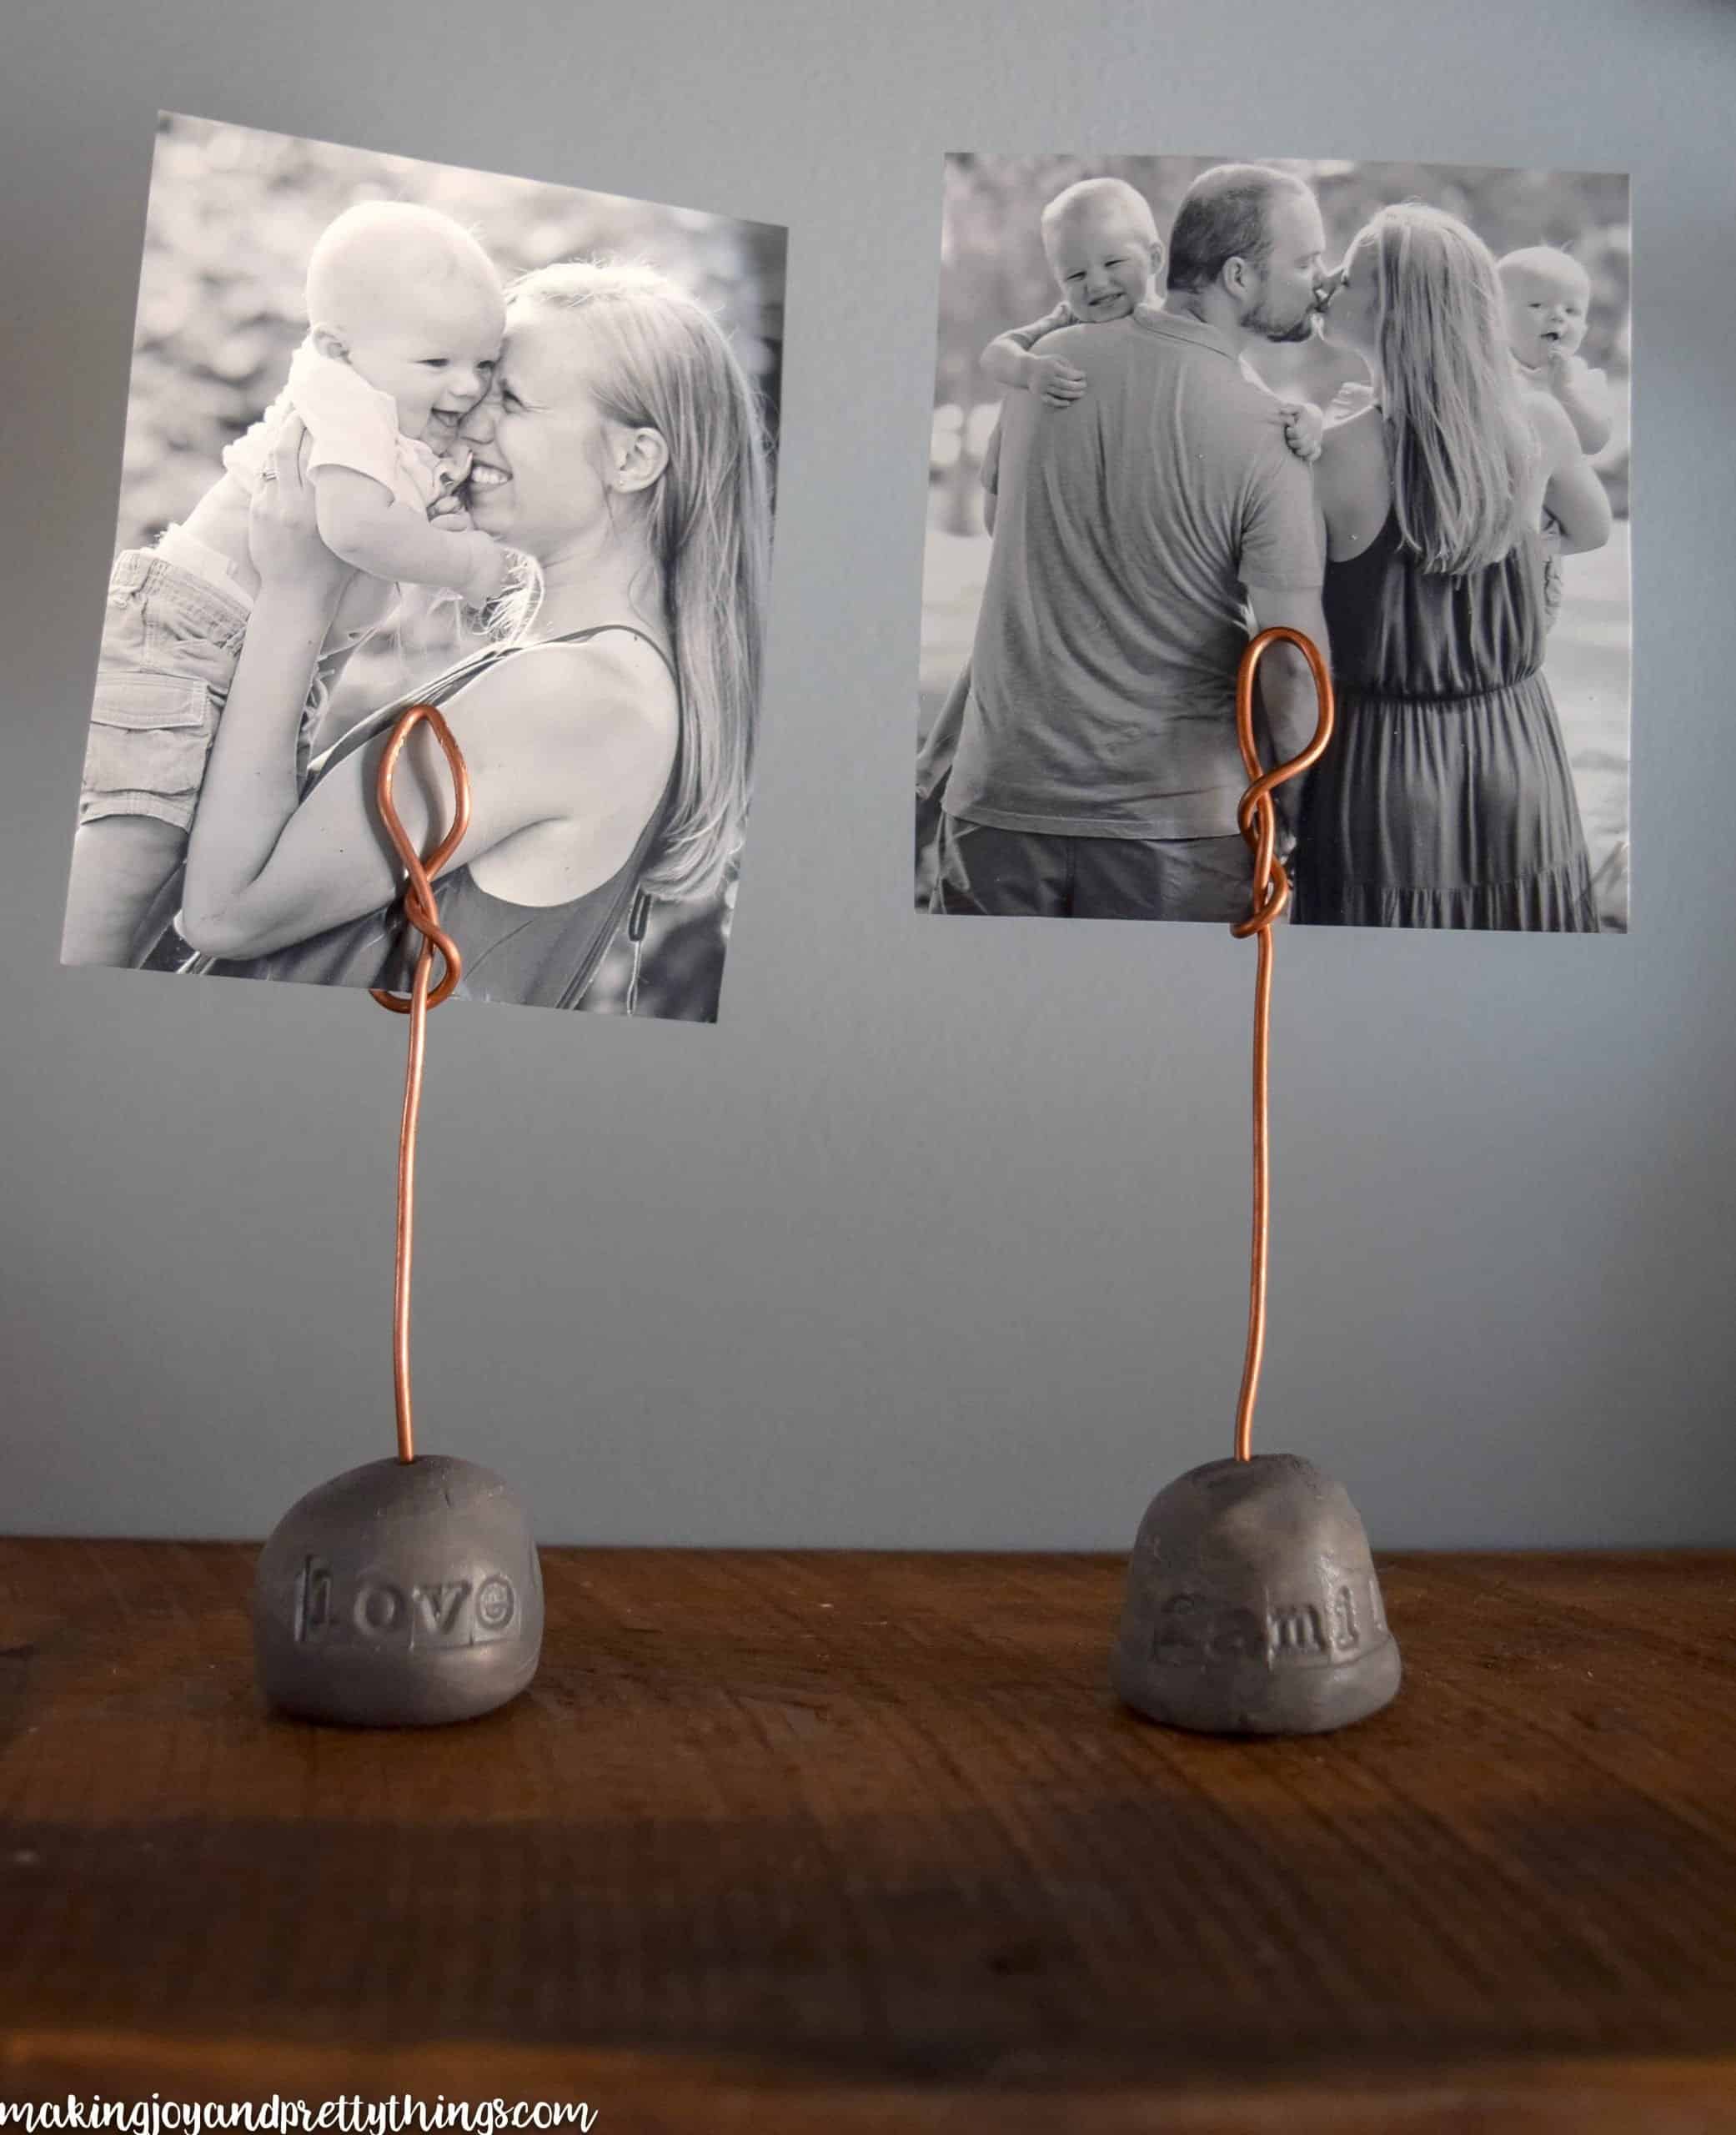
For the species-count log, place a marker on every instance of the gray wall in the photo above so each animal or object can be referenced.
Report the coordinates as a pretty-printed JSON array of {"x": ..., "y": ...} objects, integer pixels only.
[{"x": 939, "y": 1237}]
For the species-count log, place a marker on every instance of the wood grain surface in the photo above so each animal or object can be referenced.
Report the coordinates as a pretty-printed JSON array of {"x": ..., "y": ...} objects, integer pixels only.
[{"x": 840, "y": 1841}]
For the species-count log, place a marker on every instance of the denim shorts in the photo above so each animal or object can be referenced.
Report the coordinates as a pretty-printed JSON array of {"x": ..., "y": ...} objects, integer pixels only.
[{"x": 170, "y": 642}]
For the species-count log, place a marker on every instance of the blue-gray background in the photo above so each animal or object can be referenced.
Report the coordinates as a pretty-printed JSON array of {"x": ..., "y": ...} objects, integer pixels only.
[{"x": 938, "y": 1238}]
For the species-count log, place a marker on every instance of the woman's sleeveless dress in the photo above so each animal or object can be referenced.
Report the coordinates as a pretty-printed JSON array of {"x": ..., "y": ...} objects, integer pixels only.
[
  {"x": 1444, "y": 798},
  {"x": 533, "y": 955}
]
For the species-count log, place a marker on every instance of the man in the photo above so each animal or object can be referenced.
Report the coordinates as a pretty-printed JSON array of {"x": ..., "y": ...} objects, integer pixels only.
[{"x": 1097, "y": 773}]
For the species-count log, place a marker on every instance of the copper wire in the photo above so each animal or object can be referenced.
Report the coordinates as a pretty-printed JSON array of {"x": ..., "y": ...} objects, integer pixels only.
[
  {"x": 422, "y": 914},
  {"x": 1257, "y": 821}
]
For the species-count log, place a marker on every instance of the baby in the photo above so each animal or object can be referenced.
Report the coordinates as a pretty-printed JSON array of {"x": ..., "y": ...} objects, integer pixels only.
[
  {"x": 1549, "y": 296},
  {"x": 1100, "y": 240},
  {"x": 405, "y": 322}
]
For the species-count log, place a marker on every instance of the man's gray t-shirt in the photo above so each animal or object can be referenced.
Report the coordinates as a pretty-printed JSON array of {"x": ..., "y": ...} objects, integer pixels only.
[{"x": 1129, "y": 525}]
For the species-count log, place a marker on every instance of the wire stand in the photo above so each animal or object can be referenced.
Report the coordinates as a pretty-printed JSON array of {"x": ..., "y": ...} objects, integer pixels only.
[
  {"x": 1251, "y": 1605},
  {"x": 406, "y": 1593},
  {"x": 1257, "y": 821},
  {"x": 422, "y": 913}
]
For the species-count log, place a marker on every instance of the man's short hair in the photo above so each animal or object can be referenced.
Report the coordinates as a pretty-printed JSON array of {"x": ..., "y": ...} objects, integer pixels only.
[{"x": 1226, "y": 214}]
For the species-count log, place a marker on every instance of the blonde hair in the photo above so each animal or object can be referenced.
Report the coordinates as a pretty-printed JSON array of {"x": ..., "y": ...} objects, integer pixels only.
[
  {"x": 1096, "y": 196},
  {"x": 1461, "y": 446},
  {"x": 659, "y": 361},
  {"x": 365, "y": 258},
  {"x": 1543, "y": 260}
]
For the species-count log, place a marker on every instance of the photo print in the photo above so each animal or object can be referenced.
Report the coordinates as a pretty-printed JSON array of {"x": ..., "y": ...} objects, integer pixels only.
[
  {"x": 400, "y": 432},
  {"x": 1180, "y": 398}
]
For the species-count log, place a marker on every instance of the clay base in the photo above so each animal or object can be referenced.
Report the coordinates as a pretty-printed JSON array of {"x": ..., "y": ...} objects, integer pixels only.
[
  {"x": 1253, "y": 1607},
  {"x": 400, "y": 1595}
]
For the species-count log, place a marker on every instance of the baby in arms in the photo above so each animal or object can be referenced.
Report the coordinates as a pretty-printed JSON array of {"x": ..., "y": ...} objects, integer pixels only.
[
  {"x": 405, "y": 322},
  {"x": 1548, "y": 304}
]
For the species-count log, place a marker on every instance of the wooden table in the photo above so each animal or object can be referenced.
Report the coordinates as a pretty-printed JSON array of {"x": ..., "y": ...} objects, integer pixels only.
[{"x": 834, "y": 1842}]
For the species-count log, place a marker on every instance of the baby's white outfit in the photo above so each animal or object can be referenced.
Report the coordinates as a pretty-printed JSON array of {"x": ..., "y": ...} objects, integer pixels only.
[{"x": 350, "y": 423}]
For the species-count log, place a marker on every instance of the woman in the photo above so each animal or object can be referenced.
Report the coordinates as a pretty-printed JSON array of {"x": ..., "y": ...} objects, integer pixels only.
[
  {"x": 1445, "y": 799},
  {"x": 609, "y": 738}
]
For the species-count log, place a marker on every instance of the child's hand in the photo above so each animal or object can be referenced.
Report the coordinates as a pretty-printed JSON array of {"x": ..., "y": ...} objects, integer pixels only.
[
  {"x": 454, "y": 465},
  {"x": 1563, "y": 374},
  {"x": 1582, "y": 395},
  {"x": 1304, "y": 427},
  {"x": 1055, "y": 381},
  {"x": 449, "y": 511}
]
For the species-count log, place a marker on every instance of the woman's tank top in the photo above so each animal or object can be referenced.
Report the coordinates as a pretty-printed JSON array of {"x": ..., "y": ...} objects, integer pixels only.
[
  {"x": 533, "y": 955},
  {"x": 1405, "y": 634}
]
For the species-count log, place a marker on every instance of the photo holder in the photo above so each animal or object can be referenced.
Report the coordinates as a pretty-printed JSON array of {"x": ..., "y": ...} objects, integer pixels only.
[
  {"x": 1253, "y": 1607},
  {"x": 407, "y": 1592},
  {"x": 423, "y": 913}
]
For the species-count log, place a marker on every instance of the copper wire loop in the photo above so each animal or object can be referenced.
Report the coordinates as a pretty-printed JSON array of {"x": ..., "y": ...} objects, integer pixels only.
[
  {"x": 422, "y": 914},
  {"x": 1257, "y": 821}
]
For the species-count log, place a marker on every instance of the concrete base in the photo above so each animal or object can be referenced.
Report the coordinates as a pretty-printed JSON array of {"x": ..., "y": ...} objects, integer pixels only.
[
  {"x": 1253, "y": 1607},
  {"x": 400, "y": 1595}
]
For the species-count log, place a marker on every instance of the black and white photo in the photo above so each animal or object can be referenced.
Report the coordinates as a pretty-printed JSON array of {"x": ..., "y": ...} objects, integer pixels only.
[
  {"x": 400, "y": 432},
  {"x": 1180, "y": 400}
]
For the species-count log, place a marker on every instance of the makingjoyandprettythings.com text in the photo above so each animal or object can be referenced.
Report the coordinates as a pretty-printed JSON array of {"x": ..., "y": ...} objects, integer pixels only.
[{"x": 157, "y": 2115}]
